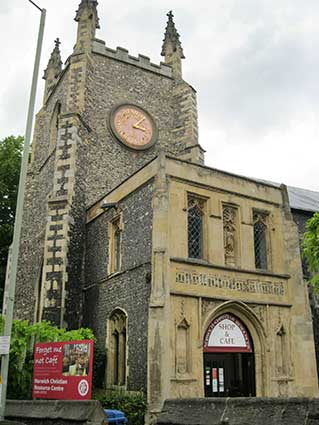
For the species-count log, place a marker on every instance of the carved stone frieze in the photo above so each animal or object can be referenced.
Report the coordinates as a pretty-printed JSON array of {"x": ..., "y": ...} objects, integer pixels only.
[{"x": 252, "y": 286}]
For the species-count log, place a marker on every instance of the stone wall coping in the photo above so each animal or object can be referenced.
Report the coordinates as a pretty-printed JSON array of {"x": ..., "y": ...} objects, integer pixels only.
[
  {"x": 123, "y": 55},
  {"x": 82, "y": 411},
  {"x": 227, "y": 173},
  {"x": 241, "y": 400},
  {"x": 240, "y": 411}
]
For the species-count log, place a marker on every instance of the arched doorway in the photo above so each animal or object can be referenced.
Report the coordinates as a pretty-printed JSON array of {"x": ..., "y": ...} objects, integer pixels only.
[{"x": 229, "y": 363}]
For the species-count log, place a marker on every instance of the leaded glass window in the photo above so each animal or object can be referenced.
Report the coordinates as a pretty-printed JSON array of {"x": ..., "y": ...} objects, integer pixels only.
[
  {"x": 195, "y": 227},
  {"x": 260, "y": 240}
]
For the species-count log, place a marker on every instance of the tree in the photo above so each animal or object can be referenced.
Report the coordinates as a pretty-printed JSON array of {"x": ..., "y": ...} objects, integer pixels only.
[
  {"x": 10, "y": 159},
  {"x": 310, "y": 247}
]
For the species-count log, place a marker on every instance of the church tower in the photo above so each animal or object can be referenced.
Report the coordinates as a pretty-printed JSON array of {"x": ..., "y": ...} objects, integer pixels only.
[{"x": 82, "y": 149}]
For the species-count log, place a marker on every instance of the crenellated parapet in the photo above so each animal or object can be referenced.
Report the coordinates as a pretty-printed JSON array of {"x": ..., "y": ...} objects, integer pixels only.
[{"x": 123, "y": 55}]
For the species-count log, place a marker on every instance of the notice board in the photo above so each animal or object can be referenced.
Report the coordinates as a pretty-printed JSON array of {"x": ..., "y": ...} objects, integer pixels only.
[{"x": 63, "y": 370}]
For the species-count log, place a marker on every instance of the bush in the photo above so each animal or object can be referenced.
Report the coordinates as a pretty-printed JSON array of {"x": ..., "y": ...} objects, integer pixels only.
[
  {"x": 23, "y": 338},
  {"x": 133, "y": 404},
  {"x": 310, "y": 247}
]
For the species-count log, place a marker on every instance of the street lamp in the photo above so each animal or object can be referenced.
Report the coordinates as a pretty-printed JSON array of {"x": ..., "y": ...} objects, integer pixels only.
[{"x": 19, "y": 210}]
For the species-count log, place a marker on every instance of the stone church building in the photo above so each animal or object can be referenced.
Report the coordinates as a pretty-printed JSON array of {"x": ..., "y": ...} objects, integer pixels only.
[{"x": 190, "y": 276}]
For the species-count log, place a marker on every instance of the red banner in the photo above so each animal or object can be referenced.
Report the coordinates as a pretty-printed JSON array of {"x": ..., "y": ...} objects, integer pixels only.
[{"x": 63, "y": 370}]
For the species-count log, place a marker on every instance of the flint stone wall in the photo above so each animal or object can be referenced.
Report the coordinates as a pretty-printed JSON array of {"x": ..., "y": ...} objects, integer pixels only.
[
  {"x": 109, "y": 83},
  {"x": 240, "y": 411},
  {"x": 128, "y": 289}
]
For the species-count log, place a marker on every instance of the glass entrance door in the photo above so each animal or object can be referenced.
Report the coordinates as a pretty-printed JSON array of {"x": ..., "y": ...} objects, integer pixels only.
[{"x": 229, "y": 375}]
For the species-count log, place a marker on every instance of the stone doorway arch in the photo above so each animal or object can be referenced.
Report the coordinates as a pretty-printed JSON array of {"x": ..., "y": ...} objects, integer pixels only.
[{"x": 256, "y": 332}]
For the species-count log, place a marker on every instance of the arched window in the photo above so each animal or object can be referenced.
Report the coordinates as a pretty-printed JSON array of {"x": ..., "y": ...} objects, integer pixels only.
[
  {"x": 54, "y": 126},
  {"x": 117, "y": 348}
]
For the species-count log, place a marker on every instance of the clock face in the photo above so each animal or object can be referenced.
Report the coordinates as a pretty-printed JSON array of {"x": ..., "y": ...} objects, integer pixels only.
[{"x": 133, "y": 126}]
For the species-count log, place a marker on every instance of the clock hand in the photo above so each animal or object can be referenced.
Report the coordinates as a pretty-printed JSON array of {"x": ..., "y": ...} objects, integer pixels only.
[
  {"x": 139, "y": 128},
  {"x": 138, "y": 122}
]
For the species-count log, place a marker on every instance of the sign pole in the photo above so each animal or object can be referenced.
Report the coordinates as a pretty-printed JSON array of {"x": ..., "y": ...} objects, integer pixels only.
[{"x": 19, "y": 210}]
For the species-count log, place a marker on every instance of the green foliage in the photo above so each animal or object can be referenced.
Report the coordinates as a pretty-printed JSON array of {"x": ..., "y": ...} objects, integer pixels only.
[
  {"x": 23, "y": 338},
  {"x": 310, "y": 247},
  {"x": 133, "y": 404},
  {"x": 10, "y": 159}
]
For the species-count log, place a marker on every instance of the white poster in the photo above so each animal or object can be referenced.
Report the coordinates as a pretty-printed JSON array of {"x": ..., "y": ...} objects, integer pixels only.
[
  {"x": 221, "y": 379},
  {"x": 4, "y": 345}
]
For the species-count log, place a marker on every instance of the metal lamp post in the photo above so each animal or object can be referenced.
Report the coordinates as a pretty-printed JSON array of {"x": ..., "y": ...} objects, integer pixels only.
[{"x": 19, "y": 210}]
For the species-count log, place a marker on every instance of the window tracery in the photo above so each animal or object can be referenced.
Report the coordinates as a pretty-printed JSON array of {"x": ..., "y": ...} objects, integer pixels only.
[
  {"x": 117, "y": 348},
  {"x": 195, "y": 219},
  {"x": 260, "y": 239}
]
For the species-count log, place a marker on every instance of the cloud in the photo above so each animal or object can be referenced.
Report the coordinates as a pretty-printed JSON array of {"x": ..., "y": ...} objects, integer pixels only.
[
  {"x": 264, "y": 74},
  {"x": 253, "y": 63}
]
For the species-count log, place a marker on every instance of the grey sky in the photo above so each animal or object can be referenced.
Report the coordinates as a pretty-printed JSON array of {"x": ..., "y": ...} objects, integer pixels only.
[{"x": 254, "y": 64}]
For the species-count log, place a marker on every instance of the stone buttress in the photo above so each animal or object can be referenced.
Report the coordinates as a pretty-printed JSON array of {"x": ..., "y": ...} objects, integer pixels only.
[{"x": 61, "y": 298}]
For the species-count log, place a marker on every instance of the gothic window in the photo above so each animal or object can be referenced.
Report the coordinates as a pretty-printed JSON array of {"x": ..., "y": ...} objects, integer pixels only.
[
  {"x": 230, "y": 234},
  {"x": 54, "y": 126},
  {"x": 117, "y": 348},
  {"x": 260, "y": 240},
  {"x": 195, "y": 227},
  {"x": 115, "y": 245}
]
